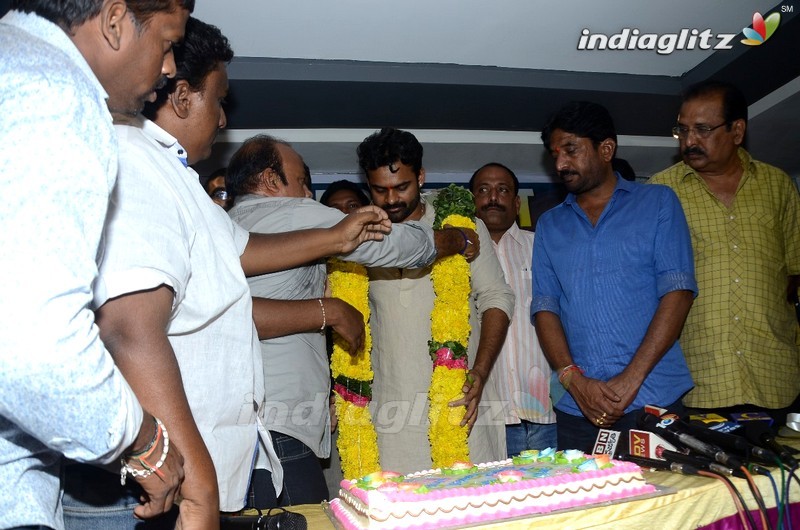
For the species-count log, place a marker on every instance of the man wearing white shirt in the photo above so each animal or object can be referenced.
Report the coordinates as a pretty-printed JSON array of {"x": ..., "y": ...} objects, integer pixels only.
[
  {"x": 522, "y": 371},
  {"x": 173, "y": 302}
]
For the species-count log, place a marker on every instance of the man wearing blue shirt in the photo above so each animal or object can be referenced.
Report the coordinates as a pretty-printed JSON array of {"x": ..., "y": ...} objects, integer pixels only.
[{"x": 614, "y": 280}]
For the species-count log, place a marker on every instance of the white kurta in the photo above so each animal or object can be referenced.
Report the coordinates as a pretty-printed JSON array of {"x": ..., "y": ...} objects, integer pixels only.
[{"x": 401, "y": 301}]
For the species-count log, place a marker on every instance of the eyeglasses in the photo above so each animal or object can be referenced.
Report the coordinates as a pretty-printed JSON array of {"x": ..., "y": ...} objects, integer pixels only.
[
  {"x": 220, "y": 194},
  {"x": 701, "y": 131}
]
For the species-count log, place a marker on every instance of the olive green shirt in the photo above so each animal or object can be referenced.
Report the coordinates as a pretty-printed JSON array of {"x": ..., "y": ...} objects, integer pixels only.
[{"x": 740, "y": 338}]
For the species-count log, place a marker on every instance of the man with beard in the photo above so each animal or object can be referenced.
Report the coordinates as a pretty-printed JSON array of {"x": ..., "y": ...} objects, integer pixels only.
[
  {"x": 523, "y": 371},
  {"x": 401, "y": 301},
  {"x": 614, "y": 281},
  {"x": 744, "y": 215}
]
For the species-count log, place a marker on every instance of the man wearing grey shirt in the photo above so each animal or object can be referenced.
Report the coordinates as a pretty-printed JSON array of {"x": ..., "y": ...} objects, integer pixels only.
[{"x": 267, "y": 179}]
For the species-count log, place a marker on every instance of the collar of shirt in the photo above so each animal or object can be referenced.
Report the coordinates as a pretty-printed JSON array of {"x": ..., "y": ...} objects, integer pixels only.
[
  {"x": 169, "y": 142},
  {"x": 622, "y": 186},
  {"x": 744, "y": 157},
  {"x": 55, "y": 36},
  {"x": 514, "y": 233}
]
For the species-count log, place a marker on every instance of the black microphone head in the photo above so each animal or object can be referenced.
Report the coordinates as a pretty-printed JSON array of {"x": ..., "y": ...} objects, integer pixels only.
[
  {"x": 755, "y": 431},
  {"x": 647, "y": 421},
  {"x": 725, "y": 440},
  {"x": 759, "y": 434}
]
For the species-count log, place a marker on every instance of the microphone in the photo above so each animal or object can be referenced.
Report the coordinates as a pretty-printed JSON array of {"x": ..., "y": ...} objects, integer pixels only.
[
  {"x": 729, "y": 441},
  {"x": 672, "y": 432},
  {"x": 700, "y": 462},
  {"x": 675, "y": 467},
  {"x": 732, "y": 442},
  {"x": 759, "y": 434}
]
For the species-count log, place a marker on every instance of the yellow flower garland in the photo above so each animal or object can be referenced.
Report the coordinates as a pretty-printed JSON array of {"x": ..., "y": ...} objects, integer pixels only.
[
  {"x": 450, "y": 330},
  {"x": 352, "y": 374},
  {"x": 449, "y": 323}
]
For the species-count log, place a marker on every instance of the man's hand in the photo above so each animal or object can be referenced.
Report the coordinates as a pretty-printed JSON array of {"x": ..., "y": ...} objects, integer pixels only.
[
  {"x": 347, "y": 321},
  {"x": 452, "y": 240},
  {"x": 334, "y": 417},
  {"x": 473, "y": 244},
  {"x": 365, "y": 224},
  {"x": 199, "y": 505},
  {"x": 597, "y": 400},
  {"x": 626, "y": 387},
  {"x": 160, "y": 489},
  {"x": 473, "y": 391}
]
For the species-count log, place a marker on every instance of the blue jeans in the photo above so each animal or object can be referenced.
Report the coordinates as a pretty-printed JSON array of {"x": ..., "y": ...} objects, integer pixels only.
[
  {"x": 95, "y": 500},
  {"x": 576, "y": 432},
  {"x": 303, "y": 481},
  {"x": 529, "y": 435}
]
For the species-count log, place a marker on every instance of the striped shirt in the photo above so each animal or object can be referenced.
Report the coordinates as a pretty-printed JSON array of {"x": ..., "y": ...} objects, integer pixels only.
[
  {"x": 522, "y": 371},
  {"x": 740, "y": 335}
]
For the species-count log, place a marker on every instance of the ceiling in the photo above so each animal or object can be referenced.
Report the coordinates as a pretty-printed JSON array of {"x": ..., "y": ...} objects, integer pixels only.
[{"x": 476, "y": 79}]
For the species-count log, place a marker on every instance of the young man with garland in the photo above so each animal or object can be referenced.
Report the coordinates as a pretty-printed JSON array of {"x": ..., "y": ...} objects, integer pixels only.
[
  {"x": 267, "y": 178},
  {"x": 401, "y": 302}
]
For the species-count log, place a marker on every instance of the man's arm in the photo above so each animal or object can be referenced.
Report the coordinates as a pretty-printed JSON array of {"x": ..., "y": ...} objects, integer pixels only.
[
  {"x": 663, "y": 331},
  {"x": 266, "y": 253},
  {"x": 595, "y": 398},
  {"x": 278, "y": 318},
  {"x": 494, "y": 326},
  {"x": 134, "y": 328}
]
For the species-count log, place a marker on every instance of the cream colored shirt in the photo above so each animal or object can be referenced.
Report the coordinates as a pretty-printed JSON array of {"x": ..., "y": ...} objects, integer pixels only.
[{"x": 401, "y": 301}]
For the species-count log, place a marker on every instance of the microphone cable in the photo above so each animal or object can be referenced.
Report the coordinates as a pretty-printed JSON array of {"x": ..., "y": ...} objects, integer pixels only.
[
  {"x": 762, "y": 509},
  {"x": 787, "y": 502},
  {"x": 741, "y": 507}
]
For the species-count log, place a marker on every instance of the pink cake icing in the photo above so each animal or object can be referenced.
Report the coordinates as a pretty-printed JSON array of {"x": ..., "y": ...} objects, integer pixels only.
[{"x": 470, "y": 494}]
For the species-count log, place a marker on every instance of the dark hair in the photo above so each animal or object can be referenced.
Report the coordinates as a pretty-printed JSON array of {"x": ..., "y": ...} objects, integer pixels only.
[
  {"x": 307, "y": 173},
  {"x": 581, "y": 118},
  {"x": 734, "y": 104},
  {"x": 340, "y": 185},
  {"x": 256, "y": 154},
  {"x": 497, "y": 165},
  {"x": 219, "y": 172},
  {"x": 624, "y": 168},
  {"x": 386, "y": 147},
  {"x": 203, "y": 48},
  {"x": 71, "y": 13}
]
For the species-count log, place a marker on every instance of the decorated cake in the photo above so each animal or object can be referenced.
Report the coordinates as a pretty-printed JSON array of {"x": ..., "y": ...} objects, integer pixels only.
[{"x": 535, "y": 482}]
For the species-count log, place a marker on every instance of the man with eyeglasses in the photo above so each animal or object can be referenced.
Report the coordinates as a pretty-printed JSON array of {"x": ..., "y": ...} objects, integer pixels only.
[{"x": 741, "y": 335}]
